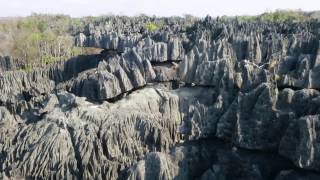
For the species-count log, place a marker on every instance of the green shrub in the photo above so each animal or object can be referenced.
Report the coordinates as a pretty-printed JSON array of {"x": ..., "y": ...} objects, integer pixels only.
[
  {"x": 152, "y": 27},
  {"x": 27, "y": 68},
  {"x": 75, "y": 51},
  {"x": 50, "y": 59}
]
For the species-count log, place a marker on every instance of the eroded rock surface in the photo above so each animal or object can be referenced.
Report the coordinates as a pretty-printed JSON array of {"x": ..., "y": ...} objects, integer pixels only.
[{"x": 206, "y": 99}]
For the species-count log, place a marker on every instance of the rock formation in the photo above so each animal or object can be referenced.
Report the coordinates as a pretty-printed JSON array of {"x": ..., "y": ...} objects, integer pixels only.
[{"x": 217, "y": 99}]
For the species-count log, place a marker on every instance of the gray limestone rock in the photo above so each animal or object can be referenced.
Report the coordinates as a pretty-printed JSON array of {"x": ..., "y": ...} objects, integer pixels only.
[
  {"x": 192, "y": 99},
  {"x": 300, "y": 142}
]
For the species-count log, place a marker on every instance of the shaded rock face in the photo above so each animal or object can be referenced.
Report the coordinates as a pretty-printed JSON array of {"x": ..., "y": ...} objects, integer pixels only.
[
  {"x": 299, "y": 142},
  {"x": 290, "y": 174},
  {"x": 213, "y": 99},
  {"x": 7, "y": 63},
  {"x": 112, "y": 77}
]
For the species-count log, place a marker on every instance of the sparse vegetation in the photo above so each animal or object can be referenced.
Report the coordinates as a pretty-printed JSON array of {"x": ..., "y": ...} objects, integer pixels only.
[
  {"x": 154, "y": 26},
  {"x": 39, "y": 38},
  {"x": 27, "y": 68}
]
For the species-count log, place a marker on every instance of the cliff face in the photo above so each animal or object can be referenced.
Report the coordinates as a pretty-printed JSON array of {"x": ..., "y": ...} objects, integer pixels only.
[{"x": 213, "y": 100}]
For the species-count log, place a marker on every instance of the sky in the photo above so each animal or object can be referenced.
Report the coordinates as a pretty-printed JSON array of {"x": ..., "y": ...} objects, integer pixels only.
[{"x": 201, "y": 8}]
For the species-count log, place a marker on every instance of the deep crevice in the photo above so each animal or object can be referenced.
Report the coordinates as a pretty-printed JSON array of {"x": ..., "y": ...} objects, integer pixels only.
[
  {"x": 167, "y": 62},
  {"x": 124, "y": 94},
  {"x": 295, "y": 88}
]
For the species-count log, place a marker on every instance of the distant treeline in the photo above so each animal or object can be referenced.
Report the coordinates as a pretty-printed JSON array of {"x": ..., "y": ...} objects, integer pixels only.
[{"x": 281, "y": 16}]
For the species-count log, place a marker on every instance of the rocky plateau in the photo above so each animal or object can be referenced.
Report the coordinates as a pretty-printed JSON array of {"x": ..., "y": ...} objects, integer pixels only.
[{"x": 215, "y": 99}]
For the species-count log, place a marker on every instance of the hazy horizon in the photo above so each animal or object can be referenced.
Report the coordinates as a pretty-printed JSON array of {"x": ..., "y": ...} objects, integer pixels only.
[{"x": 200, "y": 8}]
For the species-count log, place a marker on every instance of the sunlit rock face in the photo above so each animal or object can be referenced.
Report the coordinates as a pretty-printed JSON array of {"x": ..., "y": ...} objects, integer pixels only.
[{"x": 207, "y": 99}]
